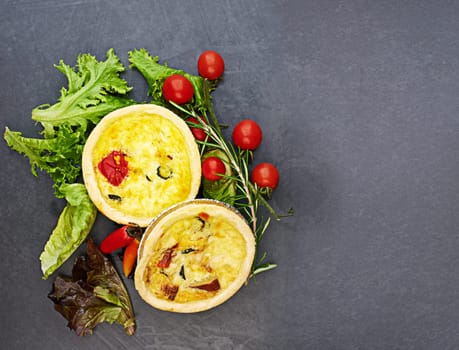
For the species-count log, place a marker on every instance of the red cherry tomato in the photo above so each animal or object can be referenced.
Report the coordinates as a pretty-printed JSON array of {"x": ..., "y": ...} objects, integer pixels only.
[
  {"x": 178, "y": 89},
  {"x": 247, "y": 135},
  {"x": 213, "y": 168},
  {"x": 265, "y": 175},
  {"x": 211, "y": 65},
  {"x": 198, "y": 133}
]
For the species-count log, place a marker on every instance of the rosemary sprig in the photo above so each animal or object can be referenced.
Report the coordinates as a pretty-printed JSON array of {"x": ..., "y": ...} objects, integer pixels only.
[{"x": 249, "y": 197}]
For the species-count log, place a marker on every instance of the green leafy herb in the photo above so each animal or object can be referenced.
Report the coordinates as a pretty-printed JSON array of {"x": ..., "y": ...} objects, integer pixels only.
[
  {"x": 73, "y": 226},
  {"x": 94, "y": 294}
]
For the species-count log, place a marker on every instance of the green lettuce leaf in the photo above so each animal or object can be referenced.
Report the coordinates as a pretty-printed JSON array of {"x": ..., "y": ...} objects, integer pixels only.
[
  {"x": 155, "y": 74},
  {"x": 73, "y": 226},
  {"x": 95, "y": 90},
  {"x": 92, "y": 92},
  {"x": 59, "y": 156},
  {"x": 94, "y": 294}
]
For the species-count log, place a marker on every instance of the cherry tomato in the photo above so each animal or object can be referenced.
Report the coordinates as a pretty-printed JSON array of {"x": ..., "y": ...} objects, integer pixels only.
[
  {"x": 213, "y": 168},
  {"x": 178, "y": 89},
  {"x": 198, "y": 133},
  {"x": 211, "y": 65},
  {"x": 265, "y": 175},
  {"x": 247, "y": 135}
]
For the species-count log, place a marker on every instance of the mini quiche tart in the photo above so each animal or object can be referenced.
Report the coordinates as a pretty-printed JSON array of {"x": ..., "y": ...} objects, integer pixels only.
[
  {"x": 194, "y": 256},
  {"x": 138, "y": 161}
]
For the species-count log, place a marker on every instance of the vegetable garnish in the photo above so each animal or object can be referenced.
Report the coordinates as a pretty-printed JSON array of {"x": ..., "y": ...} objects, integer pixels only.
[
  {"x": 120, "y": 238},
  {"x": 94, "y": 294},
  {"x": 130, "y": 257},
  {"x": 93, "y": 91},
  {"x": 247, "y": 135},
  {"x": 248, "y": 196},
  {"x": 114, "y": 167},
  {"x": 265, "y": 176},
  {"x": 213, "y": 168},
  {"x": 73, "y": 226},
  {"x": 167, "y": 257},
  {"x": 178, "y": 89},
  {"x": 211, "y": 65},
  {"x": 209, "y": 287}
]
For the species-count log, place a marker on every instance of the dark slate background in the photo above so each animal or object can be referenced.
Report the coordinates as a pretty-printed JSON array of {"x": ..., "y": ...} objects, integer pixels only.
[{"x": 359, "y": 105}]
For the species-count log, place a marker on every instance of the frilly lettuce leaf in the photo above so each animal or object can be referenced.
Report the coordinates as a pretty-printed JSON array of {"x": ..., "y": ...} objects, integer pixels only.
[
  {"x": 94, "y": 294},
  {"x": 93, "y": 91},
  {"x": 59, "y": 156}
]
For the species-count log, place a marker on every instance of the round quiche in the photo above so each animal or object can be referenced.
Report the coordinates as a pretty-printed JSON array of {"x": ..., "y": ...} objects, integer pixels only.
[
  {"x": 138, "y": 161},
  {"x": 194, "y": 256}
]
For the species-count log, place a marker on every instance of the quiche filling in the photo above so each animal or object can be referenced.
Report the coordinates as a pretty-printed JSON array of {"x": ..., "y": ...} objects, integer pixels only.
[
  {"x": 139, "y": 156},
  {"x": 195, "y": 258}
]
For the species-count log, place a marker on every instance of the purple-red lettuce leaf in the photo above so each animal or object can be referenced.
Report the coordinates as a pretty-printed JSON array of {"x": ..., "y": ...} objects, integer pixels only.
[{"x": 94, "y": 294}]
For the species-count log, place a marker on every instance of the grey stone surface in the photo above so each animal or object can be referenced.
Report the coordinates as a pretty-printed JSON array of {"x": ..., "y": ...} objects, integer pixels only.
[{"x": 359, "y": 105}]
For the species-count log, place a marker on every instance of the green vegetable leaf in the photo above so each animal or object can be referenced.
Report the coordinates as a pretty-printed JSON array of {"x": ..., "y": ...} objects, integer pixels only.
[
  {"x": 72, "y": 228},
  {"x": 155, "y": 74},
  {"x": 94, "y": 294},
  {"x": 59, "y": 156},
  {"x": 92, "y": 92}
]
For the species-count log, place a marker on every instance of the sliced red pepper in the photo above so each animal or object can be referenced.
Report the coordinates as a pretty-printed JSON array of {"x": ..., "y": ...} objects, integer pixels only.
[
  {"x": 167, "y": 257},
  {"x": 130, "y": 256},
  {"x": 170, "y": 291},
  {"x": 114, "y": 167},
  {"x": 209, "y": 287},
  {"x": 204, "y": 216},
  {"x": 120, "y": 238}
]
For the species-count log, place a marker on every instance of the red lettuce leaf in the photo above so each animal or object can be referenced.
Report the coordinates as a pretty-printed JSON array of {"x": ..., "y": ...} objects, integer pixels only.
[{"x": 94, "y": 294}]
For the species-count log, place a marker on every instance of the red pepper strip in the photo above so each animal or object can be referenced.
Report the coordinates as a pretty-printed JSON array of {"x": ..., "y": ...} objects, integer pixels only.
[
  {"x": 130, "y": 256},
  {"x": 167, "y": 257},
  {"x": 204, "y": 216},
  {"x": 114, "y": 167},
  {"x": 170, "y": 291},
  {"x": 210, "y": 287},
  {"x": 119, "y": 238}
]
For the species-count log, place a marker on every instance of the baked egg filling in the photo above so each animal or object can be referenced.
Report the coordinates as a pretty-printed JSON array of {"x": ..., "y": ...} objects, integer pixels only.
[
  {"x": 157, "y": 162},
  {"x": 195, "y": 258}
]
